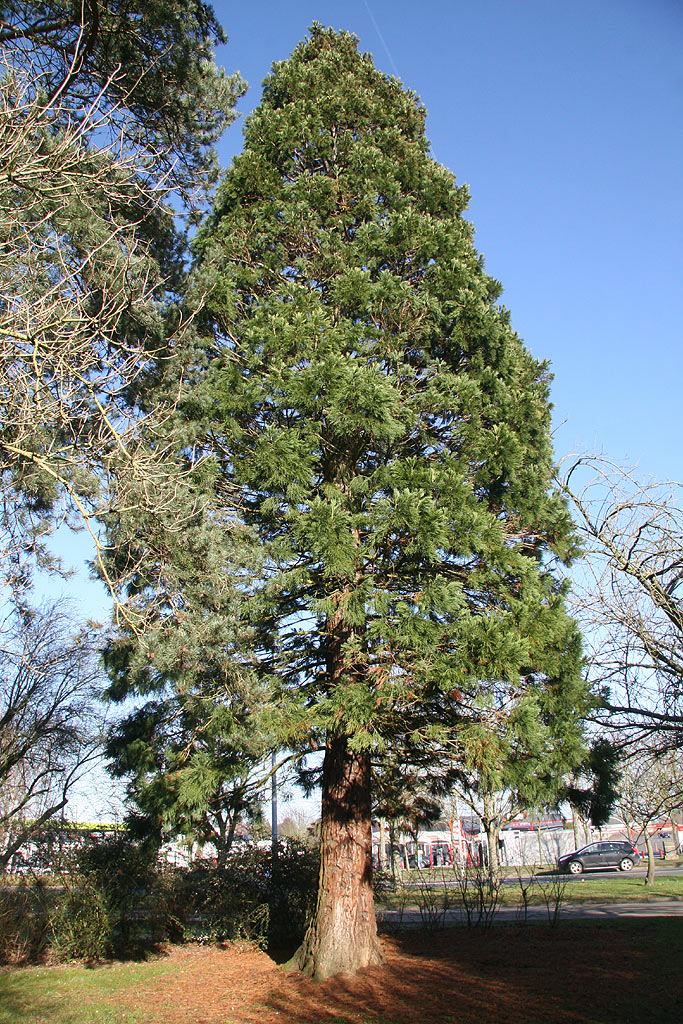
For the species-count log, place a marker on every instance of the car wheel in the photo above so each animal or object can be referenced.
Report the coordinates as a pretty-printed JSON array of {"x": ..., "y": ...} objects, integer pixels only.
[
  {"x": 626, "y": 864},
  {"x": 575, "y": 867}
]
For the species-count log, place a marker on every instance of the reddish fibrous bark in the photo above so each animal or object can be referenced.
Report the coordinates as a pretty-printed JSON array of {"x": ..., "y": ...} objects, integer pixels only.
[{"x": 342, "y": 937}]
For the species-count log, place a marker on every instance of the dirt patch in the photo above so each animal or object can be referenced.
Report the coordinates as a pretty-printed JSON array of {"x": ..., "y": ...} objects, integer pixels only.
[{"x": 580, "y": 973}]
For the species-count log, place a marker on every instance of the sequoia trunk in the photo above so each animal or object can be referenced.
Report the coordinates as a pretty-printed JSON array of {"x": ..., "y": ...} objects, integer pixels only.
[{"x": 342, "y": 937}]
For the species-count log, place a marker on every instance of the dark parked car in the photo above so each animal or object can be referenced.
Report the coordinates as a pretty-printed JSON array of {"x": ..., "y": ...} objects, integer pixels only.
[{"x": 614, "y": 854}]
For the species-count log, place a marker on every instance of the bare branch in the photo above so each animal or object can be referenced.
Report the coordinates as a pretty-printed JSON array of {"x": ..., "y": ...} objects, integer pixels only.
[
  {"x": 628, "y": 595},
  {"x": 84, "y": 318},
  {"x": 49, "y": 728}
]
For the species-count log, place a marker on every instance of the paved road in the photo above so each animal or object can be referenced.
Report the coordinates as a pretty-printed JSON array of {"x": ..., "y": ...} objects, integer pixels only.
[{"x": 661, "y": 868}]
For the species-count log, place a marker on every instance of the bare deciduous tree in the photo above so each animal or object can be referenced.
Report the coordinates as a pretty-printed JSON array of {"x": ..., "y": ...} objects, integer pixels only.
[
  {"x": 50, "y": 727},
  {"x": 149, "y": 66},
  {"x": 650, "y": 789},
  {"x": 628, "y": 597},
  {"x": 108, "y": 117}
]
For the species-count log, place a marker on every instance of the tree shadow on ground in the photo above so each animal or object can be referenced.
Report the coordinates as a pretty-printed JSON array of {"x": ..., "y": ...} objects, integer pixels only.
[{"x": 514, "y": 974}]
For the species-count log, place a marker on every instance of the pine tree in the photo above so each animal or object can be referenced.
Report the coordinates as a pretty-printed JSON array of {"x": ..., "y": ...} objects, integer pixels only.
[
  {"x": 105, "y": 109},
  {"x": 388, "y": 436},
  {"x": 147, "y": 67},
  {"x": 193, "y": 751}
]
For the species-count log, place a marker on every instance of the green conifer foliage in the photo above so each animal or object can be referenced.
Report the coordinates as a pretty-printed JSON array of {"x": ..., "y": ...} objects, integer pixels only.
[
  {"x": 388, "y": 435},
  {"x": 148, "y": 66},
  {"x": 193, "y": 753}
]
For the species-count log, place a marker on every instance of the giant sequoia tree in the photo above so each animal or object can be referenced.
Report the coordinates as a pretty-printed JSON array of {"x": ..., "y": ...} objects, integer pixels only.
[{"x": 383, "y": 428}]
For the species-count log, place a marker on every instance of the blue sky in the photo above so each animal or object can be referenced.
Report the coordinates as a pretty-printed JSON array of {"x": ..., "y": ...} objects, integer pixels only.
[{"x": 565, "y": 121}]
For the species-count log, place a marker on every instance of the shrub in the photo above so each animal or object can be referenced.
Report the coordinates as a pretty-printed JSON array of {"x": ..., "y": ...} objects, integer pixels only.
[
  {"x": 246, "y": 899},
  {"x": 23, "y": 922},
  {"x": 80, "y": 925},
  {"x": 115, "y": 901}
]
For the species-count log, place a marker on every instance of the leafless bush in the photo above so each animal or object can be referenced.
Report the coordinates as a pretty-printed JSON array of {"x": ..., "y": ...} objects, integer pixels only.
[
  {"x": 478, "y": 888},
  {"x": 432, "y": 895},
  {"x": 553, "y": 889},
  {"x": 387, "y": 886},
  {"x": 525, "y": 883}
]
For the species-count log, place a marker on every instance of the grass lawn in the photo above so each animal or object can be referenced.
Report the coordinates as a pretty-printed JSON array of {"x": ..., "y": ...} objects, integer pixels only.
[
  {"x": 593, "y": 888},
  {"x": 73, "y": 995},
  {"x": 588, "y": 888}
]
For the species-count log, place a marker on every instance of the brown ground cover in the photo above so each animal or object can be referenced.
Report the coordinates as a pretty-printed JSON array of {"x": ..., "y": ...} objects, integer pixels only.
[{"x": 580, "y": 972}]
